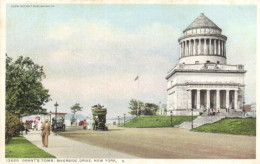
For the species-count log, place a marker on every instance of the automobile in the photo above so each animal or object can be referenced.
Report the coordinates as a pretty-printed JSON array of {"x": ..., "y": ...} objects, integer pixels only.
[
  {"x": 58, "y": 125},
  {"x": 99, "y": 117}
]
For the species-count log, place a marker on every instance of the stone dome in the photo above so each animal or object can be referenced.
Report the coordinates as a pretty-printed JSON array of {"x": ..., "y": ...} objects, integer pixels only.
[
  {"x": 202, "y": 22},
  {"x": 202, "y": 42}
]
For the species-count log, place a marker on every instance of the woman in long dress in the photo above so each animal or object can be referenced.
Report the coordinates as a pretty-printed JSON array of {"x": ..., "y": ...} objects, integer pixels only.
[
  {"x": 84, "y": 125},
  {"x": 46, "y": 128},
  {"x": 36, "y": 124},
  {"x": 39, "y": 125}
]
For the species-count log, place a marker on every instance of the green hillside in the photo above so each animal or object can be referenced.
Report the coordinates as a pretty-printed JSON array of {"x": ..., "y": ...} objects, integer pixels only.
[
  {"x": 239, "y": 126},
  {"x": 156, "y": 121}
]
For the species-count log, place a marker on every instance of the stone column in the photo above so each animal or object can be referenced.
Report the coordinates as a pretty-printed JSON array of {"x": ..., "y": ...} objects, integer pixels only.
[
  {"x": 224, "y": 48},
  {"x": 235, "y": 100},
  {"x": 208, "y": 99},
  {"x": 223, "y": 53},
  {"x": 189, "y": 99},
  {"x": 227, "y": 98},
  {"x": 198, "y": 99},
  {"x": 183, "y": 48},
  {"x": 210, "y": 48},
  {"x": 219, "y": 47},
  {"x": 194, "y": 47},
  {"x": 215, "y": 47},
  {"x": 187, "y": 49},
  {"x": 180, "y": 49},
  {"x": 190, "y": 48},
  {"x": 199, "y": 47},
  {"x": 205, "y": 47},
  {"x": 218, "y": 99}
]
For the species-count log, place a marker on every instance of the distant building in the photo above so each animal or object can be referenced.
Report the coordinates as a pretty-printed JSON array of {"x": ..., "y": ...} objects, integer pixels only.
[
  {"x": 202, "y": 78},
  {"x": 247, "y": 108},
  {"x": 250, "y": 110}
]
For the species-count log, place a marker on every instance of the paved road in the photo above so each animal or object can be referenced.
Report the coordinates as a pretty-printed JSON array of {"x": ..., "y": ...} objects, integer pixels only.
[
  {"x": 62, "y": 147},
  {"x": 168, "y": 143}
]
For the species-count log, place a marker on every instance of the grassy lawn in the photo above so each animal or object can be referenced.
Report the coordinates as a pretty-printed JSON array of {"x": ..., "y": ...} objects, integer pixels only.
[
  {"x": 156, "y": 121},
  {"x": 19, "y": 147},
  {"x": 239, "y": 126}
]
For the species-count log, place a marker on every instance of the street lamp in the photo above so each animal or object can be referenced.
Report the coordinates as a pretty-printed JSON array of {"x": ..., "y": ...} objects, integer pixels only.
[
  {"x": 124, "y": 119},
  {"x": 56, "y": 106},
  {"x": 50, "y": 116},
  {"x": 171, "y": 117},
  {"x": 192, "y": 118}
]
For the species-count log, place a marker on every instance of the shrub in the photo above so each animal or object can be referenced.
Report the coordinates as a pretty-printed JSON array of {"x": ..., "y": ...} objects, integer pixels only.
[{"x": 12, "y": 126}]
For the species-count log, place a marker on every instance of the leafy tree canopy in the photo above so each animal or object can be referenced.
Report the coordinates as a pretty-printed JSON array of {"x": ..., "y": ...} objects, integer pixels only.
[
  {"x": 133, "y": 106},
  {"x": 150, "y": 109},
  {"x": 25, "y": 94},
  {"x": 75, "y": 108}
]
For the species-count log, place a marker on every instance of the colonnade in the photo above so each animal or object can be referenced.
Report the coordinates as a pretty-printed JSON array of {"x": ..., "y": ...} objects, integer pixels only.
[
  {"x": 202, "y": 46},
  {"x": 209, "y": 101}
]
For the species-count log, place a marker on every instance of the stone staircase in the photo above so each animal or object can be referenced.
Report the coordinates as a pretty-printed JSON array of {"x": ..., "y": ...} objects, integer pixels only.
[
  {"x": 205, "y": 119},
  {"x": 200, "y": 120}
]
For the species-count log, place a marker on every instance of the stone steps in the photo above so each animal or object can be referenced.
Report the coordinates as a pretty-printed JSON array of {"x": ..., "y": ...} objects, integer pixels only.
[
  {"x": 201, "y": 120},
  {"x": 205, "y": 119}
]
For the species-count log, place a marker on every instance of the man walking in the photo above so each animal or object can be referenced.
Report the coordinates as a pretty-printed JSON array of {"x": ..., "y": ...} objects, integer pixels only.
[{"x": 46, "y": 127}]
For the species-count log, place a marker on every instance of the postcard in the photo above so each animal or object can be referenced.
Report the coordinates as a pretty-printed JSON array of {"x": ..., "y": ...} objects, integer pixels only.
[{"x": 129, "y": 81}]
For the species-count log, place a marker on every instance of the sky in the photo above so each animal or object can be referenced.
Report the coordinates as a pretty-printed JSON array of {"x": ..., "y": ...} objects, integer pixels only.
[{"x": 92, "y": 53}]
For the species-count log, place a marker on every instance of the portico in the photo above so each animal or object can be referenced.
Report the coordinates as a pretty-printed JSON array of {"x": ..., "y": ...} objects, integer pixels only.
[{"x": 213, "y": 98}]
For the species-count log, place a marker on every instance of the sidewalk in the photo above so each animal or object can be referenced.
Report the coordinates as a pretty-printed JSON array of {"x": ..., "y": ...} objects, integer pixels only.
[{"x": 62, "y": 147}]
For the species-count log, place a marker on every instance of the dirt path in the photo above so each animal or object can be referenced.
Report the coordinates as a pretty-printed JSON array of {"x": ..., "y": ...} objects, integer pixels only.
[{"x": 168, "y": 142}]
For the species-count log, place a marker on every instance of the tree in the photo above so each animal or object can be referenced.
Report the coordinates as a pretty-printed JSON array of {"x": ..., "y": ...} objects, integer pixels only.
[
  {"x": 74, "y": 109},
  {"x": 25, "y": 94},
  {"x": 133, "y": 105},
  {"x": 150, "y": 109}
]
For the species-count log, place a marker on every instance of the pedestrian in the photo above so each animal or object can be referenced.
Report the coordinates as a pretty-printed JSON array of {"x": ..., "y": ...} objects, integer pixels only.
[
  {"x": 46, "y": 128},
  {"x": 26, "y": 127},
  {"x": 212, "y": 111},
  {"x": 33, "y": 125},
  {"x": 22, "y": 127},
  {"x": 84, "y": 125},
  {"x": 36, "y": 125},
  {"x": 39, "y": 125}
]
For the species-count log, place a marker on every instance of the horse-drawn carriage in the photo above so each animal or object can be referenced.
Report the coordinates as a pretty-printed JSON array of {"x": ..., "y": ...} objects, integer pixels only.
[{"x": 99, "y": 117}]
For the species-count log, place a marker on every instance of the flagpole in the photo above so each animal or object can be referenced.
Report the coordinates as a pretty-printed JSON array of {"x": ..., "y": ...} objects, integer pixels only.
[{"x": 138, "y": 92}]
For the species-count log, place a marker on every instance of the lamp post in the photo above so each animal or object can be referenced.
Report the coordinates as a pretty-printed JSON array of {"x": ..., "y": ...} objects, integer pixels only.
[
  {"x": 124, "y": 119},
  {"x": 192, "y": 118},
  {"x": 56, "y": 106},
  {"x": 171, "y": 117},
  {"x": 50, "y": 116}
]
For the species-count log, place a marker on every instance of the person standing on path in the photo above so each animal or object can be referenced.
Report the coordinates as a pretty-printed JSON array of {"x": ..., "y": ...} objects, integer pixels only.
[
  {"x": 33, "y": 125},
  {"x": 46, "y": 128},
  {"x": 84, "y": 125},
  {"x": 36, "y": 125},
  {"x": 39, "y": 125}
]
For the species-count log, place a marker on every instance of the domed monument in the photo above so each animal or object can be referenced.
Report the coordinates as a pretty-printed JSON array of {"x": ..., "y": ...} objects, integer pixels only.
[{"x": 202, "y": 79}]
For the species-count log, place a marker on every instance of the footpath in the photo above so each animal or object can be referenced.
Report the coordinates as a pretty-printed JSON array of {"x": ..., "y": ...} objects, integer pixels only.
[{"x": 62, "y": 147}]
